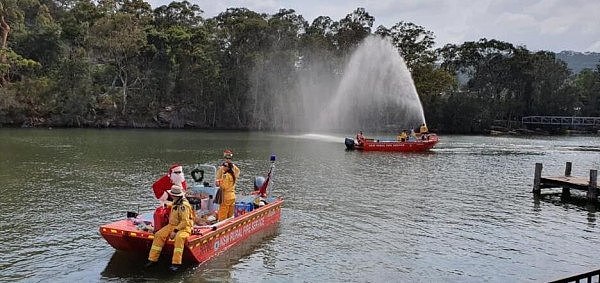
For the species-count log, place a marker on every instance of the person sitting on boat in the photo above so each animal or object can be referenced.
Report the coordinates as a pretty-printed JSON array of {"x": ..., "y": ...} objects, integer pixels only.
[
  {"x": 360, "y": 138},
  {"x": 402, "y": 136},
  {"x": 173, "y": 177},
  {"x": 227, "y": 175},
  {"x": 181, "y": 221},
  {"x": 412, "y": 137}
]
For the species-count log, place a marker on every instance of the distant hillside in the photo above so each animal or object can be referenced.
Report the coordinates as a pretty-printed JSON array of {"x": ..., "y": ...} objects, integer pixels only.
[{"x": 578, "y": 61}]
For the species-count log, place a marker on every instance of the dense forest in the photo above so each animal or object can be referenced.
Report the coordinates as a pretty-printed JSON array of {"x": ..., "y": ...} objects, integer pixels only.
[{"x": 120, "y": 63}]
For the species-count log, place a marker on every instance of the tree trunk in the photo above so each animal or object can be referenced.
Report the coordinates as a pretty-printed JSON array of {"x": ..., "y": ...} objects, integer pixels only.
[
  {"x": 124, "y": 82},
  {"x": 5, "y": 29}
]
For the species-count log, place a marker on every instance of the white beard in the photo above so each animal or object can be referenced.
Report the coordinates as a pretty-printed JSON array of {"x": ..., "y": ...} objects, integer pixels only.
[{"x": 177, "y": 179}]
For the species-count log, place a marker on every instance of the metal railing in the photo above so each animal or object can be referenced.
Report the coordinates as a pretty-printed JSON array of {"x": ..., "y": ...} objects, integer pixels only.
[
  {"x": 592, "y": 276},
  {"x": 561, "y": 120}
]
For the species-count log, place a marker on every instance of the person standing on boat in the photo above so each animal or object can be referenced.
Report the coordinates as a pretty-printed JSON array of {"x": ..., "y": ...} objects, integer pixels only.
[
  {"x": 360, "y": 138},
  {"x": 173, "y": 177},
  {"x": 181, "y": 221},
  {"x": 227, "y": 175},
  {"x": 423, "y": 129}
]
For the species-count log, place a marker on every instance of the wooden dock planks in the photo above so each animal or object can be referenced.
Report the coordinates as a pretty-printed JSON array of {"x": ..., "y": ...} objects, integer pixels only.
[{"x": 566, "y": 182}]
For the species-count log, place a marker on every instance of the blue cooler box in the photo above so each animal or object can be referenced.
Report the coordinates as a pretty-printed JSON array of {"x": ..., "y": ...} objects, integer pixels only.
[{"x": 240, "y": 209}]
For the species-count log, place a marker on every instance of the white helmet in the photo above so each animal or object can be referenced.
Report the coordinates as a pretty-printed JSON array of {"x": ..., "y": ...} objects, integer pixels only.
[{"x": 259, "y": 181}]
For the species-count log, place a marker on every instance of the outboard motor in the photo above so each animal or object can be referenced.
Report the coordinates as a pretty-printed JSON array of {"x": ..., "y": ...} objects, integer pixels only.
[{"x": 349, "y": 144}]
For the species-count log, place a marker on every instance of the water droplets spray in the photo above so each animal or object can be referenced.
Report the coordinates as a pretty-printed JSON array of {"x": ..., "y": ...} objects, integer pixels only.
[{"x": 376, "y": 92}]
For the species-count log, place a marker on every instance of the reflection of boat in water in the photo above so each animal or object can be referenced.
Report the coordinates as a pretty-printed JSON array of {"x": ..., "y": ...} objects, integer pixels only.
[
  {"x": 134, "y": 234},
  {"x": 126, "y": 264},
  {"x": 419, "y": 145}
]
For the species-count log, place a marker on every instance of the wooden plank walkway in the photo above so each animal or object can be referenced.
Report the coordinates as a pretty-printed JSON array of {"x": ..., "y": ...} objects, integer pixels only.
[
  {"x": 566, "y": 182},
  {"x": 562, "y": 181}
]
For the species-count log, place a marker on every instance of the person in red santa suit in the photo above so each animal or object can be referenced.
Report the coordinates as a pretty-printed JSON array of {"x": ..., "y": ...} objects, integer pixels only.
[{"x": 173, "y": 177}]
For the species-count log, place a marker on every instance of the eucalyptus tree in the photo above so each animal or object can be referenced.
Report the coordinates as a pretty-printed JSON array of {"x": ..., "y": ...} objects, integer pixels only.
[
  {"x": 550, "y": 91},
  {"x": 483, "y": 74},
  {"x": 352, "y": 29},
  {"x": 241, "y": 35},
  {"x": 510, "y": 82},
  {"x": 587, "y": 85},
  {"x": 23, "y": 79},
  {"x": 318, "y": 48},
  {"x": 117, "y": 39},
  {"x": 414, "y": 43},
  {"x": 14, "y": 65},
  {"x": 38, "y": 38},
  {"x": 185, "y": 65},
  {"x": 274, "y": 75},
  {"x": 74, "y": 98},
  {"x": 320, "y": 34}
]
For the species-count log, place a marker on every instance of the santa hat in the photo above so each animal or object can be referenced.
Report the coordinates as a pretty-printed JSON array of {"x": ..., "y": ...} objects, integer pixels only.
[
  {"x": 175, "y": 167},
  {"x": 228, "y": 153}
]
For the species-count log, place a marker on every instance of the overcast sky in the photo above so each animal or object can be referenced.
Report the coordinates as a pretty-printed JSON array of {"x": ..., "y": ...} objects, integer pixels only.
[{"x": 553, "y": 25}]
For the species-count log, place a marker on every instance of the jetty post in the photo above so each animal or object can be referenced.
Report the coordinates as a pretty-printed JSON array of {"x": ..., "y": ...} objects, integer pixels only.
[
  {"x": 567, "y": 183},
  {"x": 566, "y": 191},
  {"x": 537, "y": 177},
  {"x": 592, "y": 193}
]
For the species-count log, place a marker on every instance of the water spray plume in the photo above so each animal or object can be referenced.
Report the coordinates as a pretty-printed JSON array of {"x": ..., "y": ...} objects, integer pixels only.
[
  {"x": 376, "y": 92},
  {"x": 372, "y": 91}
]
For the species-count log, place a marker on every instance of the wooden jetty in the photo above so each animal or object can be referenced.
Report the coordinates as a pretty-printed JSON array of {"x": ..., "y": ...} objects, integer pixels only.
[{"x": 567, "y": 182}]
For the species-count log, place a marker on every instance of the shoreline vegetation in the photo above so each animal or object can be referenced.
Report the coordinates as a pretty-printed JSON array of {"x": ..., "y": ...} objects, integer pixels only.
[
  {"x": 497, "y": 131},
  {"x": 123, "y": 64}
]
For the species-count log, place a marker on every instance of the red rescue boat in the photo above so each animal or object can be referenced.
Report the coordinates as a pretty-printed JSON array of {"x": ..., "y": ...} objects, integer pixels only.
[
  {"x": 207, "y": 241},
  {"x": 135, "y": 233},
  {"x": 418, "y": 145}
]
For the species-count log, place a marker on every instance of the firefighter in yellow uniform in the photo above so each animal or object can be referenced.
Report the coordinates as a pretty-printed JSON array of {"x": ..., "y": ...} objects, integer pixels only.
[
  {"x": 402, "y": 136},
  {"x": 181, "y": 221},
  {"x": 423, "y": 129},
  {"x": 227, "y": 175}
]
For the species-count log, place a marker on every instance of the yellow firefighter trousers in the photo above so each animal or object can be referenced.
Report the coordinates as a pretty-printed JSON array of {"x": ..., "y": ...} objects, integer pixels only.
[
  {"x": 159, "y": 241},
  {"x": 226, "y": 209}
]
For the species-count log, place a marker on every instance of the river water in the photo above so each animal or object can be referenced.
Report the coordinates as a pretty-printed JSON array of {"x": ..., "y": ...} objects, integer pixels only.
[{"x": 462, "y": 213}]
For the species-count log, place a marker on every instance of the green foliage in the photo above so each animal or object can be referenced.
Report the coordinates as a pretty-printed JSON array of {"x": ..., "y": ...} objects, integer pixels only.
[
  {"x": 97, "y": 63},
  {"x": 353, "y": 29},
  {"x": 587, "y": 86},
  {"x": 414, "y": 43}
]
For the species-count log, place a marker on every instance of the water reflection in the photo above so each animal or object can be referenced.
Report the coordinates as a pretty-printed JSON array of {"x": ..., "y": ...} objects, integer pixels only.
[
  {"x": 125, "y": 265},
  {"x": 536, "y": 203},
  {"x": 572, "y": 201},
  {"x": 462, "y": 213}
]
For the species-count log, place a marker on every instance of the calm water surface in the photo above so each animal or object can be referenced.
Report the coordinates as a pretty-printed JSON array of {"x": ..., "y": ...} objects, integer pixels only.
[{"x": 462, "y": 213}]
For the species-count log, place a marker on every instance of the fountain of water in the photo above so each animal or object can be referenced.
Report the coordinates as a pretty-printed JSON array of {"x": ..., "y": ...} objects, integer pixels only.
[
  {"x": 373, "y": 91},
  {"x": 376, "y": 92}
]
